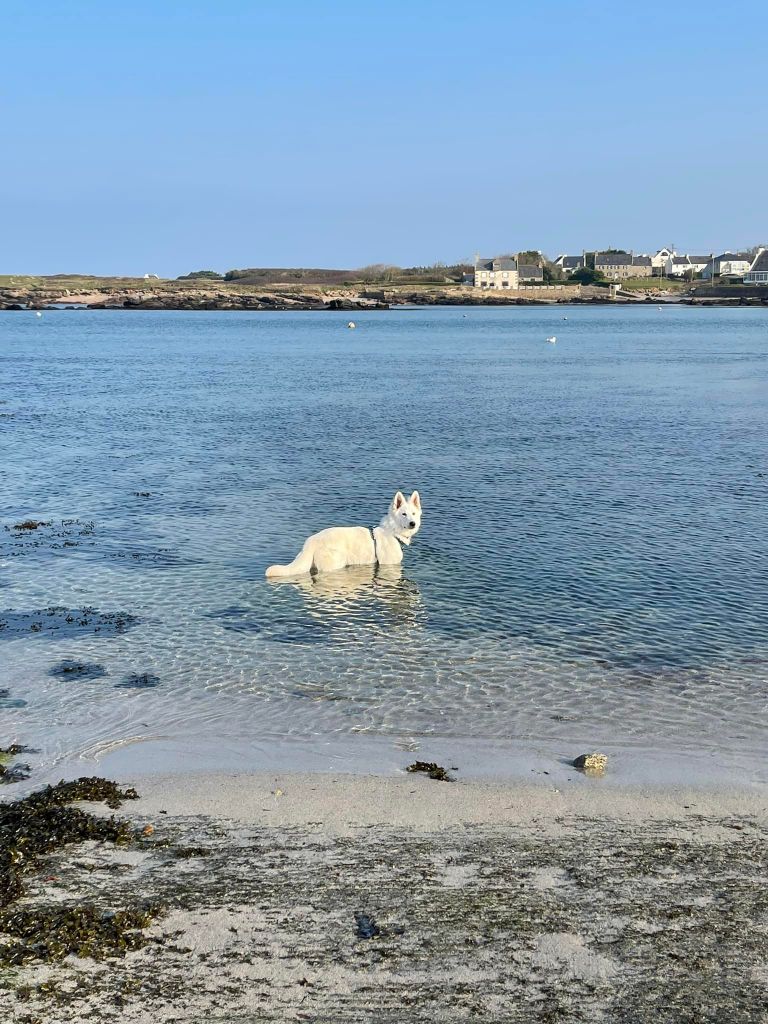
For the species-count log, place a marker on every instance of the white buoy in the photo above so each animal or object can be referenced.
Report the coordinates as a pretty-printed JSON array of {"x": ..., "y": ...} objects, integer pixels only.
[
  {"x": 552, "y": 339},
  {"x": 565, "y": 318},
  {"x": 352, "y": 324},
  {"x": 38, "y": 313}
]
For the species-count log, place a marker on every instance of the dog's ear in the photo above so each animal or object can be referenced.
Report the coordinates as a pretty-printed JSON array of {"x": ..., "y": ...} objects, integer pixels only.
[
  {"x": 416, "y": 500},
  {"x": 398, "y": 501}
]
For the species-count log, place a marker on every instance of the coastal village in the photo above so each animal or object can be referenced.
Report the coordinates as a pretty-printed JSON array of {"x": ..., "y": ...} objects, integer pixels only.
[
  {"x": 530, "y": 277},
  {"x": 618, "y": 267}
]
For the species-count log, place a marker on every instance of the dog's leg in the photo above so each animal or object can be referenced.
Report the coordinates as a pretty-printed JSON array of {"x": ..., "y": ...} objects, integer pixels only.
[{"x": 330, "y": 559}]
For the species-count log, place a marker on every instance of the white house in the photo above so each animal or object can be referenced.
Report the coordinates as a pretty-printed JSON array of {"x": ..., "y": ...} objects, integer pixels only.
[
  {"x": 498, "y": 273},
  {"x": 727, "y": 264},
  {"x": 659, "y": 261},
  {"x": 569, "y": 263},
  {"x": 678, "y": 266},
  {"x": 758, "y": 272}
]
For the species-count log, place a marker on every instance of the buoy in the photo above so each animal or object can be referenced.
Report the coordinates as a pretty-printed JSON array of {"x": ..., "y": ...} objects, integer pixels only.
[
  {"x": 552, "y": 340},
  {"x": 565, "y": 318},
  {"x": 352, "y": 324},
  {"x": 38, "y": 313}
]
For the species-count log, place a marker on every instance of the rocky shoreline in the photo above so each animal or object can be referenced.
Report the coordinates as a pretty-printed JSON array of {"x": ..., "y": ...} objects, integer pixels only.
[{"x": 120, "y": 294}]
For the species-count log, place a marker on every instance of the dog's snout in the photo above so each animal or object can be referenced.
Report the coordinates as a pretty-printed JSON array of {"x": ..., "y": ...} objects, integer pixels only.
[{"x": 411, "y": 525}]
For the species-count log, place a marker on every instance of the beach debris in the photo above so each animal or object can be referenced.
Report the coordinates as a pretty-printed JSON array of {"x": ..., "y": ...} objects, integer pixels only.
[
  {"x": 139, "y": 681},
  {"x": 591, "y": 764},
  {"x": 69, "y": 669},
  {"x": 434, "y": 771},
  {"x": 366, "y": 926},
  {"x": 31, "y": 524}
]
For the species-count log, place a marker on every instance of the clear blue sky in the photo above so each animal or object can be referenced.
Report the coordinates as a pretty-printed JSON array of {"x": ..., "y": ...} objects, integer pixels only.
[{"x": 166, "y": 137}]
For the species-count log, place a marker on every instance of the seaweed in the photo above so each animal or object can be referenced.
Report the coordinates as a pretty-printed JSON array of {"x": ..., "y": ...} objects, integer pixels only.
[
  {"x": 52, "y": 933},
  {"x": 69, "y": 669},
  {"x": 14, "y": 773},
  {"x": 434, "y": 771},
  {"x": 139, "y": 681},
  {"x": 31, "y": 524},
  {"x": 44, "y": 822}
]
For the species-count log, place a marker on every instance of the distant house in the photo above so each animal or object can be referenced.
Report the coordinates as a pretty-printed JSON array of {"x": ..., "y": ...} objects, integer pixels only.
[
  {"x": 659, "y": 261},
  {"x": 569, "y": 263},
  {"x": 618, "y": 266},
  {"x": 758, "y": 271},
  {"x": 498, "y": 273},
  {"x": 733, "y": 265},
  {"x": 679, "y": 266},
  {"x": 530, "y": 273}
]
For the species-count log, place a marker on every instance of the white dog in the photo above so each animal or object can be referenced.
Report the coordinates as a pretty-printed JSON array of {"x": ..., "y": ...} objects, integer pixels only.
[{"x": 341, "y": 546}]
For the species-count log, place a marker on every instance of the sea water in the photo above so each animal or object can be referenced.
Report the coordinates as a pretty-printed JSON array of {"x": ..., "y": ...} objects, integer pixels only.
[{"x": 592, "y": 563}]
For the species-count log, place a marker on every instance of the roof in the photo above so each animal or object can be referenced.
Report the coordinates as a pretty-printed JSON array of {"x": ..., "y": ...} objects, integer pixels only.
[
  {"x": 700, "y": 259},
  {"x": 642, "y": 261},
  {"x": 496, "y": 263},
  {"x": 760, "y": 262},
  {"x": 530, "y": 270},
  {"x": 730, "y": 257},
  {"x": 613, "y": 259},
  {"x": 571, "y": 262},
  {"x": 682, "y": 259}
]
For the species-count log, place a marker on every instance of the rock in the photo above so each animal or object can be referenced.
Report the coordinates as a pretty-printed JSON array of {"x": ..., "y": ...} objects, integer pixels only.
[{"x": 591, "y": 764}]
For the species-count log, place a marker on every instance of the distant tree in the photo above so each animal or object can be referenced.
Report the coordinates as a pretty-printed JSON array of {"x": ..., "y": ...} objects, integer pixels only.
[
  {"x": 531, "y": 258},
  {"x": 552, "y": 274},
  {"x": 587, "y": 275},
  {"x": 209, "y": 275},
  {"x": 380, "y": 272}
]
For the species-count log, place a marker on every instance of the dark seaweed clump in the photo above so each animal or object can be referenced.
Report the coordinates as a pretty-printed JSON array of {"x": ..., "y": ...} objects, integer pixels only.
[
  {"x": 43, "y": 822},
  {"x": 15, "y": 772},
  {"x": 7, "y": 701},
  {"x": 139, "y": 681},
  {"x": 69, "y": 669},
  {"x": 52, "y": 933},
  {"x": 434, "y": 771},
  {"x": 30, "y": 524}
]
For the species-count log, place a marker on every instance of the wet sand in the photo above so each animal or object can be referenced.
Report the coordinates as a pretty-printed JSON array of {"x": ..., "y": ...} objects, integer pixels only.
[{"x": 475, "y": 900}]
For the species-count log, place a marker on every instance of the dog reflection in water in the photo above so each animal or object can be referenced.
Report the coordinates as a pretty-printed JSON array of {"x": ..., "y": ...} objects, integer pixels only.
[{"x": 349, "y": 593}]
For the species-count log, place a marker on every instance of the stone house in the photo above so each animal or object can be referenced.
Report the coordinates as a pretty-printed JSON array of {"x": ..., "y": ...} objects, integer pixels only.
[
  {"x": 530, "y": 273},
  {"x": 498, "y": 273},
  {"x": 758, "y": 271},
  {"x": 618, "y": 266}
]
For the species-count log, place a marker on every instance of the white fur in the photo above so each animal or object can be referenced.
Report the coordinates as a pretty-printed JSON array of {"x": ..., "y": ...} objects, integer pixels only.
[{"x": 341, "y": 546}]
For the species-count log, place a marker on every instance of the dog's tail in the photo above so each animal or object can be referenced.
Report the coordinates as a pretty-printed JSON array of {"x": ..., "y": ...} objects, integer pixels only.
[{"x": 301, "y": 563}]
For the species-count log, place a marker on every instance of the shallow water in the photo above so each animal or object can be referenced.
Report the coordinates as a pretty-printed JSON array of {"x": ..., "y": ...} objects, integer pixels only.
[{"x": 592, "y": 561}]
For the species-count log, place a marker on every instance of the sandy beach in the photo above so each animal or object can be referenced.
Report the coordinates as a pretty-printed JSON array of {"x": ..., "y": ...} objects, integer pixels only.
[{"x": 337, "y": 897}]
